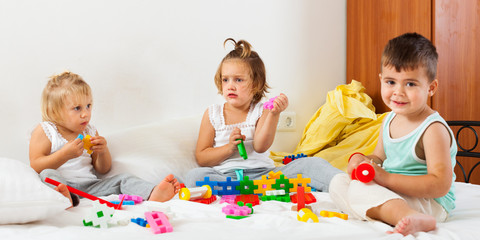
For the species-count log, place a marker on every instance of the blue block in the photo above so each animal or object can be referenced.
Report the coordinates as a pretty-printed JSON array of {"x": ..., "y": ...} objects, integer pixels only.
[{"x": 229, "y": 187}]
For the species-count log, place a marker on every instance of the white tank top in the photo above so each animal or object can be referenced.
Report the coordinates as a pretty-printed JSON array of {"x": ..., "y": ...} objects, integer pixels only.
[
  {"x": 76, "y": 169},
  {"x": 222, "y": 134}
]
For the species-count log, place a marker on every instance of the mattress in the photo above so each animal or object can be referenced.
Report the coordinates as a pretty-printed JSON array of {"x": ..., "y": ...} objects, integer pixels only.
[{"x": 270, "y": 220}]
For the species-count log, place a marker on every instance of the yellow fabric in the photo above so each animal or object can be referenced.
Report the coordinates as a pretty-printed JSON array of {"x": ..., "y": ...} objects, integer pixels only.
[{"x": 345, "y": 124}]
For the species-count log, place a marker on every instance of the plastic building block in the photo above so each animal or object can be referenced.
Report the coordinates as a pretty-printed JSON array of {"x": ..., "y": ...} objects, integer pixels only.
[
  {"x": 236, "y": 210},
  {"x": 300, "y": 181},
  {"x": 99, "y": 215},
  {"x": 269, "y": 104},
  {"x": 300, "y": 197},
  {"x": 274, "y": 175},
  {"x": 229, "y": 187},
  {"x": 158, "y": 222},
  {"x": 228, "y": 199},
  {"x": 306, "y": 215},
  {"x": 136, "y": 199},
  {"x": 275, "y": 192},
  {"x": 195, "y": 193},
  {"x": 209, "y": 200},
  {"x": 212, "y": 184},
  {"x": 252, "y": 199},
  {"x": 87, "y": 144},
  {"x": 241, "y": 149},
  {"x": 288, "y": 159},
  {"x": 282, "y": 183},
  {"x": 246, "y": 186},
  {"x": 309, "y": 198},
  {"x": 83, "y": 194},
  {"x": 140, "y": 221},
  {"x": 129, "y": 202},
  {"x": 284, "y": 198},
  {"x": 334, "y": 214},
  {"x": 364, "y": 172},
  {"x": 263, "y": 185}
]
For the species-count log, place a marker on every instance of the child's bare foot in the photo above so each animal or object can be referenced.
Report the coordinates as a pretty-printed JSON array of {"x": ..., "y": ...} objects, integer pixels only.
[
  {"x": 62, "y": 188},
  {"x": 165, "y": 190},
  {"x": 415, "y": 223}
]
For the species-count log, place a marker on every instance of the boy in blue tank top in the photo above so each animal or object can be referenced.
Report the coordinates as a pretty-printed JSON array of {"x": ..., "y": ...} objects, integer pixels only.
[{"x": 415, "y": 154}]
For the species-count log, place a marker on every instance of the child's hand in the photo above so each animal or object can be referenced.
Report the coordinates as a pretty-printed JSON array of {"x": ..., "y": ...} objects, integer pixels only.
[
  {"x": 234, "y": 138},
  {"x": 73, "y": 149},
  {"x": 280, "y": 104},
  {"x": 356, "y": 160},
  {"x": 99, "y": 144}
]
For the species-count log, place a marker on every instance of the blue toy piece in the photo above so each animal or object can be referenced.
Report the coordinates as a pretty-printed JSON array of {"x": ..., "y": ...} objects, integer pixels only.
[
  {"x": 213, "y": 185},
  {"x": 128, "y": 202},
  {"x": 229, "y": 187},
  {"x": 140, "y": 221}
]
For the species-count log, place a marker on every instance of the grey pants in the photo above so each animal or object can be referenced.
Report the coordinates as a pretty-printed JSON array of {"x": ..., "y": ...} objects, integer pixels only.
[
  {"x": 118, "y": 184},
  {"x": 317, "y": 169}
]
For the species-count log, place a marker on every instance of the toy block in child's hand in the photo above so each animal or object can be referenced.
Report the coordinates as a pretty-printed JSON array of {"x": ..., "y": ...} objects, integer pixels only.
[
  {"x": 87, "y": 144},
  {"x": 269, "y": 104},
  {"x": 364, "y": 172},
  {"x": 241, "y": 149}
]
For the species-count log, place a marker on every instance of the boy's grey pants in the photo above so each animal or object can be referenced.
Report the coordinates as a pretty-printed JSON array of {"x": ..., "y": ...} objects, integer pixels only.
[
  {"x": 317, "y": 169},
  {"x": 118, "y": 184}
]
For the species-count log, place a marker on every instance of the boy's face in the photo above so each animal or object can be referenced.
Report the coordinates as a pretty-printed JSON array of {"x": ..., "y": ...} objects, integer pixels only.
[
  {"x": 406, "y": 92},
  {"x": 76, "y": 113},
  {"x": 236, "y": 83}
]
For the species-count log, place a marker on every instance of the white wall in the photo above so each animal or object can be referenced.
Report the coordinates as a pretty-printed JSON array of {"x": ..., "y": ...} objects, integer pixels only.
[{"x": 151, "y": 60}]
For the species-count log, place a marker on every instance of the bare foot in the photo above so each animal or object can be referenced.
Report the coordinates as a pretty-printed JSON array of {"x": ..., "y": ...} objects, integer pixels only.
[
  {"x": 165, "y": 190},
  {"x": 62, "y": 188},
  {"x": 415, "y": 223}
]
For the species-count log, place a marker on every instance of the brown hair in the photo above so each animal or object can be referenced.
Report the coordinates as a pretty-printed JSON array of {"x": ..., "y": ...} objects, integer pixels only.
[
  {"x": 410, "y": 51},
  {"x": 243, "y": 52},
  {"x": 56, "y": 91}
]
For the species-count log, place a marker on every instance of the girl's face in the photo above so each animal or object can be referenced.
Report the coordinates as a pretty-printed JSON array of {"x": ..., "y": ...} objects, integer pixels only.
[
  {"x": 237, "y": 83},
  {"x": 406, "y": 92},
  {"x": 76, "y": 113}
]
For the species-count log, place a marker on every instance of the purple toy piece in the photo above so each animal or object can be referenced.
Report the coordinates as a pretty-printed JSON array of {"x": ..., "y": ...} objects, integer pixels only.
[{"x": 134, "y": 198}]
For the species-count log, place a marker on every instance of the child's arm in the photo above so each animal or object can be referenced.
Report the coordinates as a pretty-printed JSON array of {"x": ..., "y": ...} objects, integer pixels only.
[
  {"x": 267, "y": 124},
  {"x": 101, "y": 158},
  {"x": 39, "y": 151},
  {"x": 376, "y": 158},
  {"x": 205, "y": 153},
  {"x": 436, "y": 183}
]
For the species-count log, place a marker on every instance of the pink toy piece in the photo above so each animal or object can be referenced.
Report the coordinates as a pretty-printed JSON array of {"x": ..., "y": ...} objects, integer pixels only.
[
  {"x": 136, "y": 199},
  {"x": 235, "y": 210},
  {"x": 269, "y": 103},
  {"x": 228, "y": 199},
  {"x": 158, "y": 222}
]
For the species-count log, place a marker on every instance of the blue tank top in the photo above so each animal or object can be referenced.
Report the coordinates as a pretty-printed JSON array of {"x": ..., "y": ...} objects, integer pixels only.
[{"x": 402, "y": 159}]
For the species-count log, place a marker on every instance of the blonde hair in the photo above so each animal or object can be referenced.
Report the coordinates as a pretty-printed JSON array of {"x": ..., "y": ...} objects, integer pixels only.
[
  {"x": 58, "y": 88},
  {"x": 244, "y": 53}
]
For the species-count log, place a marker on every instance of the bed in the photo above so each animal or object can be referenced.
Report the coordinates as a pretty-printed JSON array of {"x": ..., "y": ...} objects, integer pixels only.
[{"x": 151, "y": 152}]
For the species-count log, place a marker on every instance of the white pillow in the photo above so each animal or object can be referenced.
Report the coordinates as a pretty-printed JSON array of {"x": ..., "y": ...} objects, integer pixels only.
[
  {"x": 23, "y": 197},
  {"x": 153, "y": 151}
]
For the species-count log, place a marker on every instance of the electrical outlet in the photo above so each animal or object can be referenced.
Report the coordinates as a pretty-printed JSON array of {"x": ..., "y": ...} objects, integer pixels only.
[{"x": 287, "y": 122}]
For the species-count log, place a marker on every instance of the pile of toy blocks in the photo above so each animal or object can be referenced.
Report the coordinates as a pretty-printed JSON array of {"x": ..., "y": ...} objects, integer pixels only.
[{"x": 290, "y": 158}]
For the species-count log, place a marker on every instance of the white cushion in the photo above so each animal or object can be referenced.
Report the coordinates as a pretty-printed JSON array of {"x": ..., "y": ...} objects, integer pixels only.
[
  {"x": 153, "y": 151},
  {"x": 23, "y": 197}
]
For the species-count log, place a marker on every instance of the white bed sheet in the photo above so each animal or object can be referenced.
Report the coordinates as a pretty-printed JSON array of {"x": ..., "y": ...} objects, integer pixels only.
[{"x": 271, "y": 220}]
